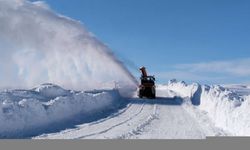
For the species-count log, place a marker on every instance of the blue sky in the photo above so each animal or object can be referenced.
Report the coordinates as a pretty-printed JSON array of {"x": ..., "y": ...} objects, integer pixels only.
[{"x": 206, "y": 41}]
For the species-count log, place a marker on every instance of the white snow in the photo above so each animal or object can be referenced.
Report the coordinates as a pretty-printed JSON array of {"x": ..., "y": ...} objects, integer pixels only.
[
  {"x": 27, "y": 112},
  {"x": 38, "y": 45},
  {"x": 241, "y": 89},
  {"x": 182, "y": 89},
  {"x": 227, "y": 108},
  {"x": 141, "y": 119},
  {"x": 181, "y": 111},
  {"x": 167, "y": 117},
  {"x": 162, "y": 118},
  {"x": 51, "y": 90}
]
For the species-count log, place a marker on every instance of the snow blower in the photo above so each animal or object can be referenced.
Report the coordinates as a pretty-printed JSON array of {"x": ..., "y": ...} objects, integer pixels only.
[{"x": 147, "y": 86}]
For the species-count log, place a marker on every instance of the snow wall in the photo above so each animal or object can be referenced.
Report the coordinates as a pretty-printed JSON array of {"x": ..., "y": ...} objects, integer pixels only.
[
  {"x": 49, "y": 108},
  {"x": 226, "y": 108}
]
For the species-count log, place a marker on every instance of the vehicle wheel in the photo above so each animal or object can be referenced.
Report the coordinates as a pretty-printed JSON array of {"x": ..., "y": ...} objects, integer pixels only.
[
  {"x": 140, "y": 94},
  {"x": 153, "y": 93}
]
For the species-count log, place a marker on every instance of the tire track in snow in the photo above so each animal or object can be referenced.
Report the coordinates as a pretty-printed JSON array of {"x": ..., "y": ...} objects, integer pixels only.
[
  {"x": 145, "y": 119},
  {"x": 113, "y": 126},
  {"x": 113, "y": 115},
  {"x": 79, "y": 127},
  {"x": 140, "y": 127},
  {"x": 134, "y": 126},
  {"x": 84, "y": 131},
  {"x": 172, "y": 122}
]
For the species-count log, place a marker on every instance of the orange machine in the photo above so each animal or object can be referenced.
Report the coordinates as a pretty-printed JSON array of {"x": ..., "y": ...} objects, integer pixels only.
[{"x": 147, "y": 86}]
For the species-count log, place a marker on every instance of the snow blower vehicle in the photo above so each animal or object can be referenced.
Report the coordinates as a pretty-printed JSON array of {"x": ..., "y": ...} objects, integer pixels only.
[{"x": 147, "y": 86}]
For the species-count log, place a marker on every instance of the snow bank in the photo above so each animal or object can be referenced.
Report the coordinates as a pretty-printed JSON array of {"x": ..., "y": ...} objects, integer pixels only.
[
  {"x": 28, "y": 112},
  {"x": 238, "y": 88},
  {"x": 228, "y": 109},
  {"x": 51, "y": 91},
  {"x": 183, "y": 90}
]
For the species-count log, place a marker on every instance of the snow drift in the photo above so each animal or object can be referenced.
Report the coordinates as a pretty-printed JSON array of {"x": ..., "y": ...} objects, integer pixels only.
[
  {"x": 29, "y": 112},
  {"x": 38, "y": 46},
  {"x": 228, "y": 109}
]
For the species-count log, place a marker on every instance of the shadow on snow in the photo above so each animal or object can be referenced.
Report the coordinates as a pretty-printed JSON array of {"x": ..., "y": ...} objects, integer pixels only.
[{"x": 159, "y": 100}]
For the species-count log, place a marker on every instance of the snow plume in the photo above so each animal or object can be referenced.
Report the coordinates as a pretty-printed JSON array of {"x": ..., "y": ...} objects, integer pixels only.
[{"x": 37, "y": 45}]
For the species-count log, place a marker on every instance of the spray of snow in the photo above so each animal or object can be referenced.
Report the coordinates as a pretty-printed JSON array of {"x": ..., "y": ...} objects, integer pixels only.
[{"x": 38, "y": 46}]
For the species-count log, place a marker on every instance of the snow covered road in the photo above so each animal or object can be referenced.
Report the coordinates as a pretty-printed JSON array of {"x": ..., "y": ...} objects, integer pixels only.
[
  {"x": 51, "y": 112},
  {"x": 163, "y": 118}
]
